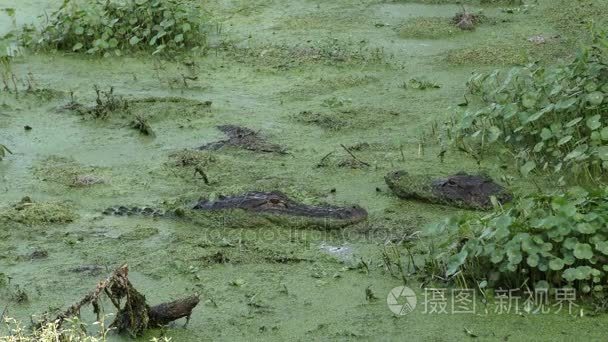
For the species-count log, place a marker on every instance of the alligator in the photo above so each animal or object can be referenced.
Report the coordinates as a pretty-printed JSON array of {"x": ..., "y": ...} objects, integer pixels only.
[
  {"x": 460, "y": 190},
  {"x": 122, "y": 210},
  {"x": 258, "y": 208},
  {"x": 245, "y": 138}
]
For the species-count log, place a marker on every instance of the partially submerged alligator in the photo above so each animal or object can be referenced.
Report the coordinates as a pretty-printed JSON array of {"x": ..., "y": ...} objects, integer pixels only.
[
  {"x": 243, "y": 137},
  {"x": 253, "y": 208},
  {"x": 460, "y": 190},
  {"x": 128, "y": 211}
]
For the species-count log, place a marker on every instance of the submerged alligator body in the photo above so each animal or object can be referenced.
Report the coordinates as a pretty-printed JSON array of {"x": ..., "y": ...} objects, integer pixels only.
[
  {"x": 128, "y": 211},
  {"x": 275, "y": 206},
  {"x": 245, "y": 138},
  {"x": 252, "y": 208},
  {"x": 460, "y": 190}
]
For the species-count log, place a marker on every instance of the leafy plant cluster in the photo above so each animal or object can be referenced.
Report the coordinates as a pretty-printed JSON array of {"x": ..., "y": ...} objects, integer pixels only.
[
  {"x": 114, "y": 27},
  {"x": 106, "y": 103},
  {"x": 50, "y": 332},
  {"x": 553, "y": 240},
  {"x": 550, "y": 118}
]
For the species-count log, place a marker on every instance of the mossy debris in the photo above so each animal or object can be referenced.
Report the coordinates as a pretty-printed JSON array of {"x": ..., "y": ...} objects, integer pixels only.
[{"x": 31, "y": 213}]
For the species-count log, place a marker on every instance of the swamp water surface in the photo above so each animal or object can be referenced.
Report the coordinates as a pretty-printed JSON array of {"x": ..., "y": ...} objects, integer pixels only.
[{"x": 256, "y": 283}]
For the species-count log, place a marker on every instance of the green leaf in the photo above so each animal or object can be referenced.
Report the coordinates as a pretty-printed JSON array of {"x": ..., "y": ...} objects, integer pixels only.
[
  {"x": 602, "y": 152},
  {"x": 497, "y": 256},
  {"x": 167, "y": 23},
  {"x": 568, "y": 209},
  {"x": 583, "y": 272},
  {"x": 179, "y": 38},
  {"x": 546, "y": 134},
  {"x": 532, "y": 260},
  {"x": 565, "y": 104},
  {"x": 596, "y": 98},
  {"x": 570, "y": 274},
  {"x": 556, "y": 264},
  {"x": 602, "y": 246},
  {"x": 514, "y": 254},
  {"x": 540, "y": 113},
  {"x": 583, "y": 251},
  {"x": 594, "y": 122},
  {"x": 591, "y": 87},
  {"x": 577, "y": 152},
  {"x": 493, "y": 134},
  {"x": 77, "y": 47},
  {"x": 586, "y": 228},
  {"x": 542, "y": 284},
  {"x": 570, "y": 242},
  {"x": 529, "y": 100},
  {"x": 604, "y": 133},
  {"x": 564, "y": 140},
  {"x": 455, "y": 261},
  {"x": 134, "y": 40},
  {"x": 113, "y": 42},
  {"x": 574, "y": 121},
  {"x": 527, "y": 168}
]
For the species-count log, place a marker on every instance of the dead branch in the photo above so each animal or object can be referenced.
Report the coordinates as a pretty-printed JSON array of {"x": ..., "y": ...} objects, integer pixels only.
[
  {"x": 135, "y": 316},
  {"x": 354, "y": 157}
]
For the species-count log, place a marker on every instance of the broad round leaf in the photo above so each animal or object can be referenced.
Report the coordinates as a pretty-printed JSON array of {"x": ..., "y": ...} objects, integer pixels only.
[
  {"x": 594, "y": 122},
  {"x": 583, "y": 251},
  {"x": 532, "y": 260},
  {"x": 556, "y": 264},
  {"x": 527, "y": 168},
  {"x": 595, "y": 99}
]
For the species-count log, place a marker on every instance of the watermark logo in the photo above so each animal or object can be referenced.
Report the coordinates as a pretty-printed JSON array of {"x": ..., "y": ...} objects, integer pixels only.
[
  {"x": 436, "y": 301},
  {"x": 401, "y": 300}
]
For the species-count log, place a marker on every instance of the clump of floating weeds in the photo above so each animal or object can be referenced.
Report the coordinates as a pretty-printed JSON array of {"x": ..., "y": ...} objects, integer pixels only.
[
  {"x": 466, "y": 20},
  {"x": 141, "y": 124},
  {"x": 106, "y": 102},
  {"x": 419, "y": 84}
]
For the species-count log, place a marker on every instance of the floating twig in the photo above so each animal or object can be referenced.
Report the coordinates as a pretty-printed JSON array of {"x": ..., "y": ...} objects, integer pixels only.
[{"x": 354, "y": 157}]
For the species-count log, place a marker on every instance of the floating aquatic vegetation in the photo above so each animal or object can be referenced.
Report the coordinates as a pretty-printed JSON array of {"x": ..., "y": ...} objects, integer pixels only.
[
  {"x": 31, "y": 213},
  {"x": 340, "y": 116},
  {"x": 68, "y": 172},
  {"x": 427, "y": 28}
]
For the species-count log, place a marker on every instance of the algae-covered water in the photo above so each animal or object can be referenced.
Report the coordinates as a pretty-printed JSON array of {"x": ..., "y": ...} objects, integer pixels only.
[{"x": 308, "y": 75}]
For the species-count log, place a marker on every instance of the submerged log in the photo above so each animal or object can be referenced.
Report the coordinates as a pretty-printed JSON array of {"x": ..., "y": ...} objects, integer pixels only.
[
  {"x": 459, "y": 190},
  {"x": 135, "y": 315},
  {"x": 165, "y": 313},
  {"x": 277, "y": 205}
]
